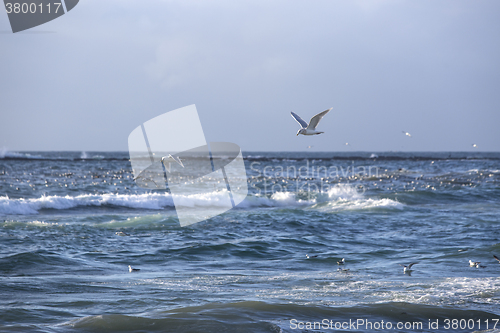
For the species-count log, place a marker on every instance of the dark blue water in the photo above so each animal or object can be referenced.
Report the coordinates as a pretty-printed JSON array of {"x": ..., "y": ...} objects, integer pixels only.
[{"x": 72, "y": 222}]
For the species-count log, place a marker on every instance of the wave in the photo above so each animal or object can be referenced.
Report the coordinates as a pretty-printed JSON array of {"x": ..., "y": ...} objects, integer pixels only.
[
  {"x": 6, "y": 154},
  {"x": 33, "y": 206},
  {"x": 340, "y": 197},
  {"x": 258, "y": 316}
]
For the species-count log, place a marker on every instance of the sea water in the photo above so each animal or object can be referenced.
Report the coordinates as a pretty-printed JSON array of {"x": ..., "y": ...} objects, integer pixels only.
[{"x": 72, "y": 222}]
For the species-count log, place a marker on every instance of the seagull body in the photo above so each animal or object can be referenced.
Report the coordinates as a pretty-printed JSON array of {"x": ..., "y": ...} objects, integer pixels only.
[
  {"x": 494, "y": 256},
  {"x": 169, "y": 159},
  {"x": 130, "y": 269},
  {"x": 341, "y": 262},
  {"x": 474, "y": 263},
  {"x": 407, "y": 134},
  {"x": 309, "y": 129},
  {"x": 309, "y": 257},
  {"x": 407, "y": 269}
]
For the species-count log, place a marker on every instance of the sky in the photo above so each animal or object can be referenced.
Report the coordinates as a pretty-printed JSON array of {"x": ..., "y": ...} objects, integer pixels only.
[{"x": 85, "y": 80}]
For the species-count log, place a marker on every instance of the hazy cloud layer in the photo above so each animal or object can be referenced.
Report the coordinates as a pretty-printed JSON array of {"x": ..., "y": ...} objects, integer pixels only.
[{"x": 85, "y": 80}]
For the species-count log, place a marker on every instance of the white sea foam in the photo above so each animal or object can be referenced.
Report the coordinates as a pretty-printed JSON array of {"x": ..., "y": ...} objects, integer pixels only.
[
  {"x": 340, "y": 197},
  {"x": 32, "y": 206},
  {"x": 4, "y": 152}
]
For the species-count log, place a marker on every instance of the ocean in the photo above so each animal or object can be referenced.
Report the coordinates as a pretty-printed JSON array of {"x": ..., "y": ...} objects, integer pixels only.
[{"x": 72, "y": 222}]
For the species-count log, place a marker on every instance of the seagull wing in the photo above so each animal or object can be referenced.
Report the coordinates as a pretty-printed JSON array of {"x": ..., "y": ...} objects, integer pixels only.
[
  {"x": 494, "y": 256},
  {"x": 413, "y": 263},
  {"x": 313, "y": 123},
  {"x": 299, "y": 120},
  {"x": 178, "y": 160}
]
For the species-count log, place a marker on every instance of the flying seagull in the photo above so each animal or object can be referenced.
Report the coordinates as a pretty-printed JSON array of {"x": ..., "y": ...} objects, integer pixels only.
[
  {"x": 407, "y": 134},
  {"x": 407, "y": 269},
  {"x": 310, "y": 129},
  {"x": 341, "y": 262},
  {"x": 494, "y": 256},
  {"x": 130, "y": 269},
  {"x": 169, "y": 159}
]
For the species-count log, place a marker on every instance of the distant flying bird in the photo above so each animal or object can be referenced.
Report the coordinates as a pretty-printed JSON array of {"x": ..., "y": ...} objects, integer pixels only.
[
  {"x": 309, "y": 147},
  {"x": 407, "y": 269},
  {"x": 474, "y": 145},
  {"x": 310, "y": 129},
  {"x": 169, "y": 159},
  {"x": 130, "y": 269},
  {"x": 494, "y": 256},
  {"x": 407, "y": 134},
  {"x": 341, "y": 262}
]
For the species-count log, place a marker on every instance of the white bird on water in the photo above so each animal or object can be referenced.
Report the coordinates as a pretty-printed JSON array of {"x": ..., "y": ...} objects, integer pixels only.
[
  {"x": 341, "y": 262},
  {"x": 130, "y": 269},
  {"x": 310, "y": 129},
  {"x": 407, "y": 269},
  {"x": 309, "y": 257},
  {"x": 474, "y": 263}
]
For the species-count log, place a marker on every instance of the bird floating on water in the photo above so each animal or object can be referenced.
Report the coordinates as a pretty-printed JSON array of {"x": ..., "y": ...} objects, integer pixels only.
[
  {"x": 130, "y": 269},
  {"x": 309, "y": 257},
  {"x": 474, "y": 263},
  {"x": 341, "y": 262},
  {"x": 407, "y": 269},
  {"x": 310, "y": 129}
]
